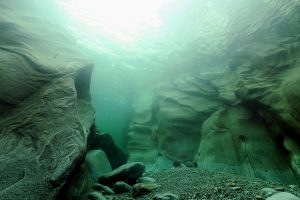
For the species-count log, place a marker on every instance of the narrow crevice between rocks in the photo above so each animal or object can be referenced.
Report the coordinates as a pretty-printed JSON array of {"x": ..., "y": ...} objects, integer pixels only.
[{"x": 83, "y": 82}]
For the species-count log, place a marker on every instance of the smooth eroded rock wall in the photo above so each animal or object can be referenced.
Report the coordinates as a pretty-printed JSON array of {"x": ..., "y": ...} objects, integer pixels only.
[
  {"x": 243, "y": 120},
  {"x": 45, "y": 109}
]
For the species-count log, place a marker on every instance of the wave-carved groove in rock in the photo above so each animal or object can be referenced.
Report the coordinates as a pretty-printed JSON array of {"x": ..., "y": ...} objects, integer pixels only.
[
  {"x": 46, "y": 113},
  {"x": 245, "y": 120}
]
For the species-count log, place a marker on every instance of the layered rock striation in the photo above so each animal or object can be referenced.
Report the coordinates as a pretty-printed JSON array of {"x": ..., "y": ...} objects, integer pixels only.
[
  {"x": 45, "y": 109},
  {"x": 244, "y": 120}
]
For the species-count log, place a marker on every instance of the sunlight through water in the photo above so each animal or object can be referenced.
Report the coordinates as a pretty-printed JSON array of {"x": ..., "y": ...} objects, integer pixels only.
[{"x": 125, "y": 21}]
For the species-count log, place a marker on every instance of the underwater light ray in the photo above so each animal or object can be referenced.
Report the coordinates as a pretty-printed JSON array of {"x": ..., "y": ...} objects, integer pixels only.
[{"x": 119, "y": 20}]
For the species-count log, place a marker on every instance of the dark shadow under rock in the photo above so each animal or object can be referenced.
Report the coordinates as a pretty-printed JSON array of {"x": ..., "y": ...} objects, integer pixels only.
[{"x": 106, "y": 143}]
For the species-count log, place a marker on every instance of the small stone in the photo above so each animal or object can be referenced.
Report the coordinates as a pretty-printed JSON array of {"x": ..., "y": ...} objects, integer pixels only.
[
  {"x": 145, "y": 179},
  {"x": 257, "y": 197},
  {"x": 176, "y": 163},
  {"x": 235, "y": 188},
  {"x": 231, "y": 184},
  {"x": 281, "y": 189},
  {"x": 103, "y": 189},
  {"x": 191, "y": 164},
  {"x": 140, "y": 189},
  {"x": 96, "y": 196},
  {"x": 283, "y": 196},
  {"x": 197, "y": 195},
  {"x": 292, "y": 186},
  {"x": 121, "y": 187},
  {"x": 166, "y": 196}
]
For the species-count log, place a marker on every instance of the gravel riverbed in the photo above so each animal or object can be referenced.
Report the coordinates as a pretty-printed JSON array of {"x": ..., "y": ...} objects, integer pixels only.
[{"x": 194, "y": 184}]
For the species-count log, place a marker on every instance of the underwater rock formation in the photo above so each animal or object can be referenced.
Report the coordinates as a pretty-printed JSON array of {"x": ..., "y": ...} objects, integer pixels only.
[
  {"x": 97, "y": 163},
  {"x": 244, "y": 120},
  {"x": 141, "y": 144},
  {"x": 83, "y": 181},
  {"x": 102, "y": 157},
  {"x": 235, "y": 140},
  {"x": 266, "y": 75},
  {"x": 180, "y": 111},
  {"x": 45, "y": 109},
  {"x": 105, "y": 142}
]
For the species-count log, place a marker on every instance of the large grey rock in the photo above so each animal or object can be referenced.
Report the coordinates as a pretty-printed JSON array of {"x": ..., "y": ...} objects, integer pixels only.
[
  {"x": 233, "y": 140},
  {"x": 45, "y": 109},
  {"x": 253, "y": 129}
]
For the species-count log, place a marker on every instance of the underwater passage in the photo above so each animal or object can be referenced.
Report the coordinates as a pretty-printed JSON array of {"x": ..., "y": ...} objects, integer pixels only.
[{"x": 160, "y": 100}]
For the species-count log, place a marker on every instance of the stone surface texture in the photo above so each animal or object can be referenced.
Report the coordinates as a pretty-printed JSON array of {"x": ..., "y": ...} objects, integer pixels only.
[
  {"x": 45, "y": 110},
  {"x": 243, "y": 120}
]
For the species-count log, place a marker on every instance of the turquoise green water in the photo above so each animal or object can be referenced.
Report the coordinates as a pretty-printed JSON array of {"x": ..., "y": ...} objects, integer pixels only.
[
  {"x": 138, "y": 45},
  {"x": 164, "y": 67},
  {"x": 113, "y": 107},
  {"x": 212, "y": 84}
]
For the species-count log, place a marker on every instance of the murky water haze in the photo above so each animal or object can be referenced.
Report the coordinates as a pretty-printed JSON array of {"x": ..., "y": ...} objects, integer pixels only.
[{"x": 177, "y": 38}]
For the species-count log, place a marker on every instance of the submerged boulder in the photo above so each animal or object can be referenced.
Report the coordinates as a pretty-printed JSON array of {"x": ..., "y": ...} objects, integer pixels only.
[{"x": 97, "y": 163}]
